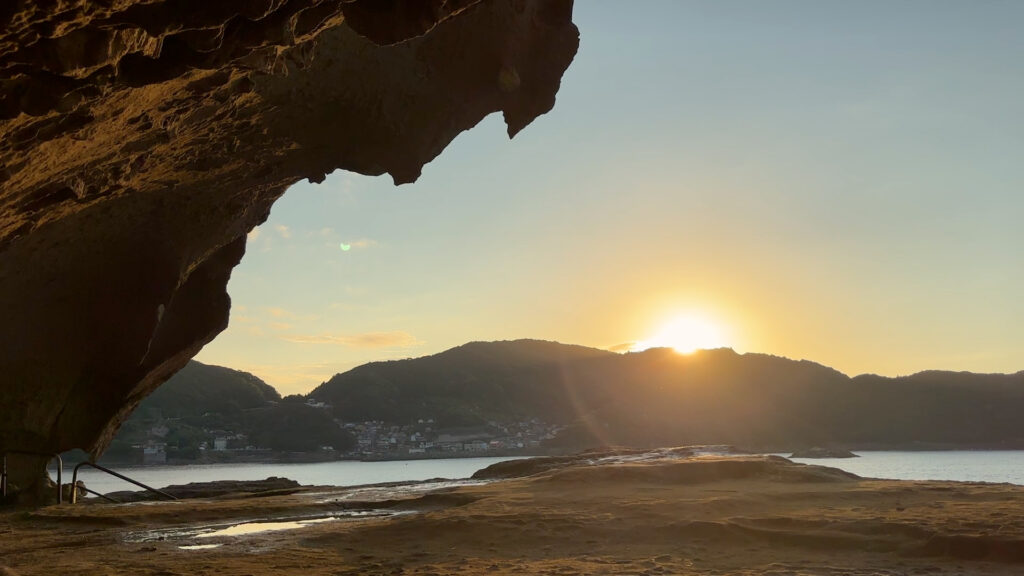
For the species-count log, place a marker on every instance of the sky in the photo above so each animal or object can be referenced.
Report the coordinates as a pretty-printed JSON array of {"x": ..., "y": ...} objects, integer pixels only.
[{"x": 825, "y": 180}]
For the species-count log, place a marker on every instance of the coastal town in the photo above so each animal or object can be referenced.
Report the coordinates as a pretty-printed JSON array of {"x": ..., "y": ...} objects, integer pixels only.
[
  {"x": 160, "y": 442},
  {"x": 380, "y": 440}
]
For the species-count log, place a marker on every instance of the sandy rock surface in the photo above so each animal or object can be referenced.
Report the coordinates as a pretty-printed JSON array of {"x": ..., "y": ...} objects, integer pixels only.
[{"x": 752, "y": 516}]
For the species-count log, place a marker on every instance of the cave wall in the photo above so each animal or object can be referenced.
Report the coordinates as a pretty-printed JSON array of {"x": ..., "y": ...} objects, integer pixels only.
[{"x": 141, "y": 141}]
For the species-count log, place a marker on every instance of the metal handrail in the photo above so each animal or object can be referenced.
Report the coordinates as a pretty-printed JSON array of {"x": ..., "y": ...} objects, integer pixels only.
[
  {"x": 74, "y": 482},
  {"x": 60, "y": 470},
  {"x": 95, "y": 493}
]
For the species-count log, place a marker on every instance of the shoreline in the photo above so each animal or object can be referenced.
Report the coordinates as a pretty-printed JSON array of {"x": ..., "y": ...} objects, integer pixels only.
[
  {"x": 314, "y": 458},
  {"x": 747, "y": 516}
]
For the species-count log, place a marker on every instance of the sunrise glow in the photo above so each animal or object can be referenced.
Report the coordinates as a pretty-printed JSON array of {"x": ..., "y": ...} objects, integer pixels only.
[{"x": 686, "y": 334}]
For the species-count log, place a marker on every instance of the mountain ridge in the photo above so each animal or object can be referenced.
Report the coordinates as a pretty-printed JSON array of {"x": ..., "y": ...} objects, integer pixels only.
[
  {"x": 593, "y": 397},
  {"x": 668, "y": 350},
  {"x": 658, "y": 396}
]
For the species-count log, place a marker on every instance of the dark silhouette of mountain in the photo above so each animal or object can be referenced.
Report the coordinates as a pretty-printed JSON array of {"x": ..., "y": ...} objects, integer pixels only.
[
  {"x": 463, "y": 386},
  {"x": 202, "y": 403},
  {"x": 651, "y": 398},
  {"x": 660, "y": 397},
  {"x": 201, "y": 388}
]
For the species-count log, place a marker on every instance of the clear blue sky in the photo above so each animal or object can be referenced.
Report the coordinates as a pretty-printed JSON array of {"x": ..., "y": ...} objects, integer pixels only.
[{"x": 836, "y": 181}]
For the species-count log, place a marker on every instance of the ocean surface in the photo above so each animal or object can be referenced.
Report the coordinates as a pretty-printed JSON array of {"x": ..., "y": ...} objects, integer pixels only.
[
  {"x": 961, "y": 465},
  {"x": 341, "y": 473}
]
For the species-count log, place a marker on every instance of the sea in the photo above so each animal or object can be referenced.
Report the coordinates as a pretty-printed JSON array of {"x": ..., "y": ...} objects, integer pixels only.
[
  {"x": 959, "y": 465},
  {"x": 337, "y": 473}
]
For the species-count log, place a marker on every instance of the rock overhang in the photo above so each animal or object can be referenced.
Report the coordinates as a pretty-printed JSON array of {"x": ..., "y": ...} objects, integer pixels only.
[{"x": 143, "y": 140}]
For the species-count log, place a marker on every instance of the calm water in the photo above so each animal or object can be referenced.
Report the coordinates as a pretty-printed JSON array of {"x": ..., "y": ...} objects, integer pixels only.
[
  {"x": 971, "y": 466},
  {"x": 964, "y": 465},
  {"x": 346, "y": 473}
]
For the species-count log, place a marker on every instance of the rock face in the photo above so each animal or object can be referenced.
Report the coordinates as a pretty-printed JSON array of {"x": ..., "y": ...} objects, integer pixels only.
[{"x": 140, "y": 140}]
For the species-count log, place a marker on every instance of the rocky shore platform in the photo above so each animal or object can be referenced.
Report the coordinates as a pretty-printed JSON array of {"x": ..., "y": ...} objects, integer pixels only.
[{"x": 670, "y": 513}]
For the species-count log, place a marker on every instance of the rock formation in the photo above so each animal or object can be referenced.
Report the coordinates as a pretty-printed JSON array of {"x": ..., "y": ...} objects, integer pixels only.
[
  {"x": 142, "y": 139},
  {"x": 819, "y": 452}
]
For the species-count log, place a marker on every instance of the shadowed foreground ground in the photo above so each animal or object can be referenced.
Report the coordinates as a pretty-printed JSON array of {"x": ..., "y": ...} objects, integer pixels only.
[{"x": 691, "y": 516}]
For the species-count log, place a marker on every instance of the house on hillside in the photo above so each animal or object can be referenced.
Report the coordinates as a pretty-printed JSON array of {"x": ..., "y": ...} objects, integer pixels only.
[
  {"x": 154, "y": 453},
  {"x": 464, "y": 435}
]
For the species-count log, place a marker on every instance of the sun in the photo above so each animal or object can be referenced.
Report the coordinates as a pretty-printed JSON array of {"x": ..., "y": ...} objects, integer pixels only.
[{"x": 686, "y": 334}]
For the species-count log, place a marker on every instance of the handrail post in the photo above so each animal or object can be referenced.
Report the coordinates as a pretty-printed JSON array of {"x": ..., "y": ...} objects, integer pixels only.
[
  {"x": 60, "y": 474},
  {"x": 3, "y": 477},
  {"x": 74, "y": 482}
]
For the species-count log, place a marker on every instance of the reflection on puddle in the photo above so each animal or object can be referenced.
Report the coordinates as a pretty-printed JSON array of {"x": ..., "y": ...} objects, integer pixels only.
[
  {"x": 249, "y": 527},
  {"x": 196, "y": 537},
  {"x": 660, "y": 454},
  {"x": 393, "y": 492},
  {"x": 257, "y": 527}
]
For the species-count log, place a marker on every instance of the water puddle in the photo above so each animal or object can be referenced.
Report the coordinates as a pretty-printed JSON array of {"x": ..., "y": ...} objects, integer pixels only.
[
  {"x": 209, "y": 536},
  {"x": 243, "y": 528},
  {"x": 248, "y": 528},
  {"x": 393, "y": 492},
  {"x": 662, "y": 454}
]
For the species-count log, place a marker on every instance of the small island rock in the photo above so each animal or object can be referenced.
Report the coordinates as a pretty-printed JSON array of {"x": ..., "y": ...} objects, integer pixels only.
[{"x": 818, "y": 452}]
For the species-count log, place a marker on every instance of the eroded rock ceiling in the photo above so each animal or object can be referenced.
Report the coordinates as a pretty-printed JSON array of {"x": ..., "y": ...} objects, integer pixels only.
[{"x": 142, "y": 139}]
